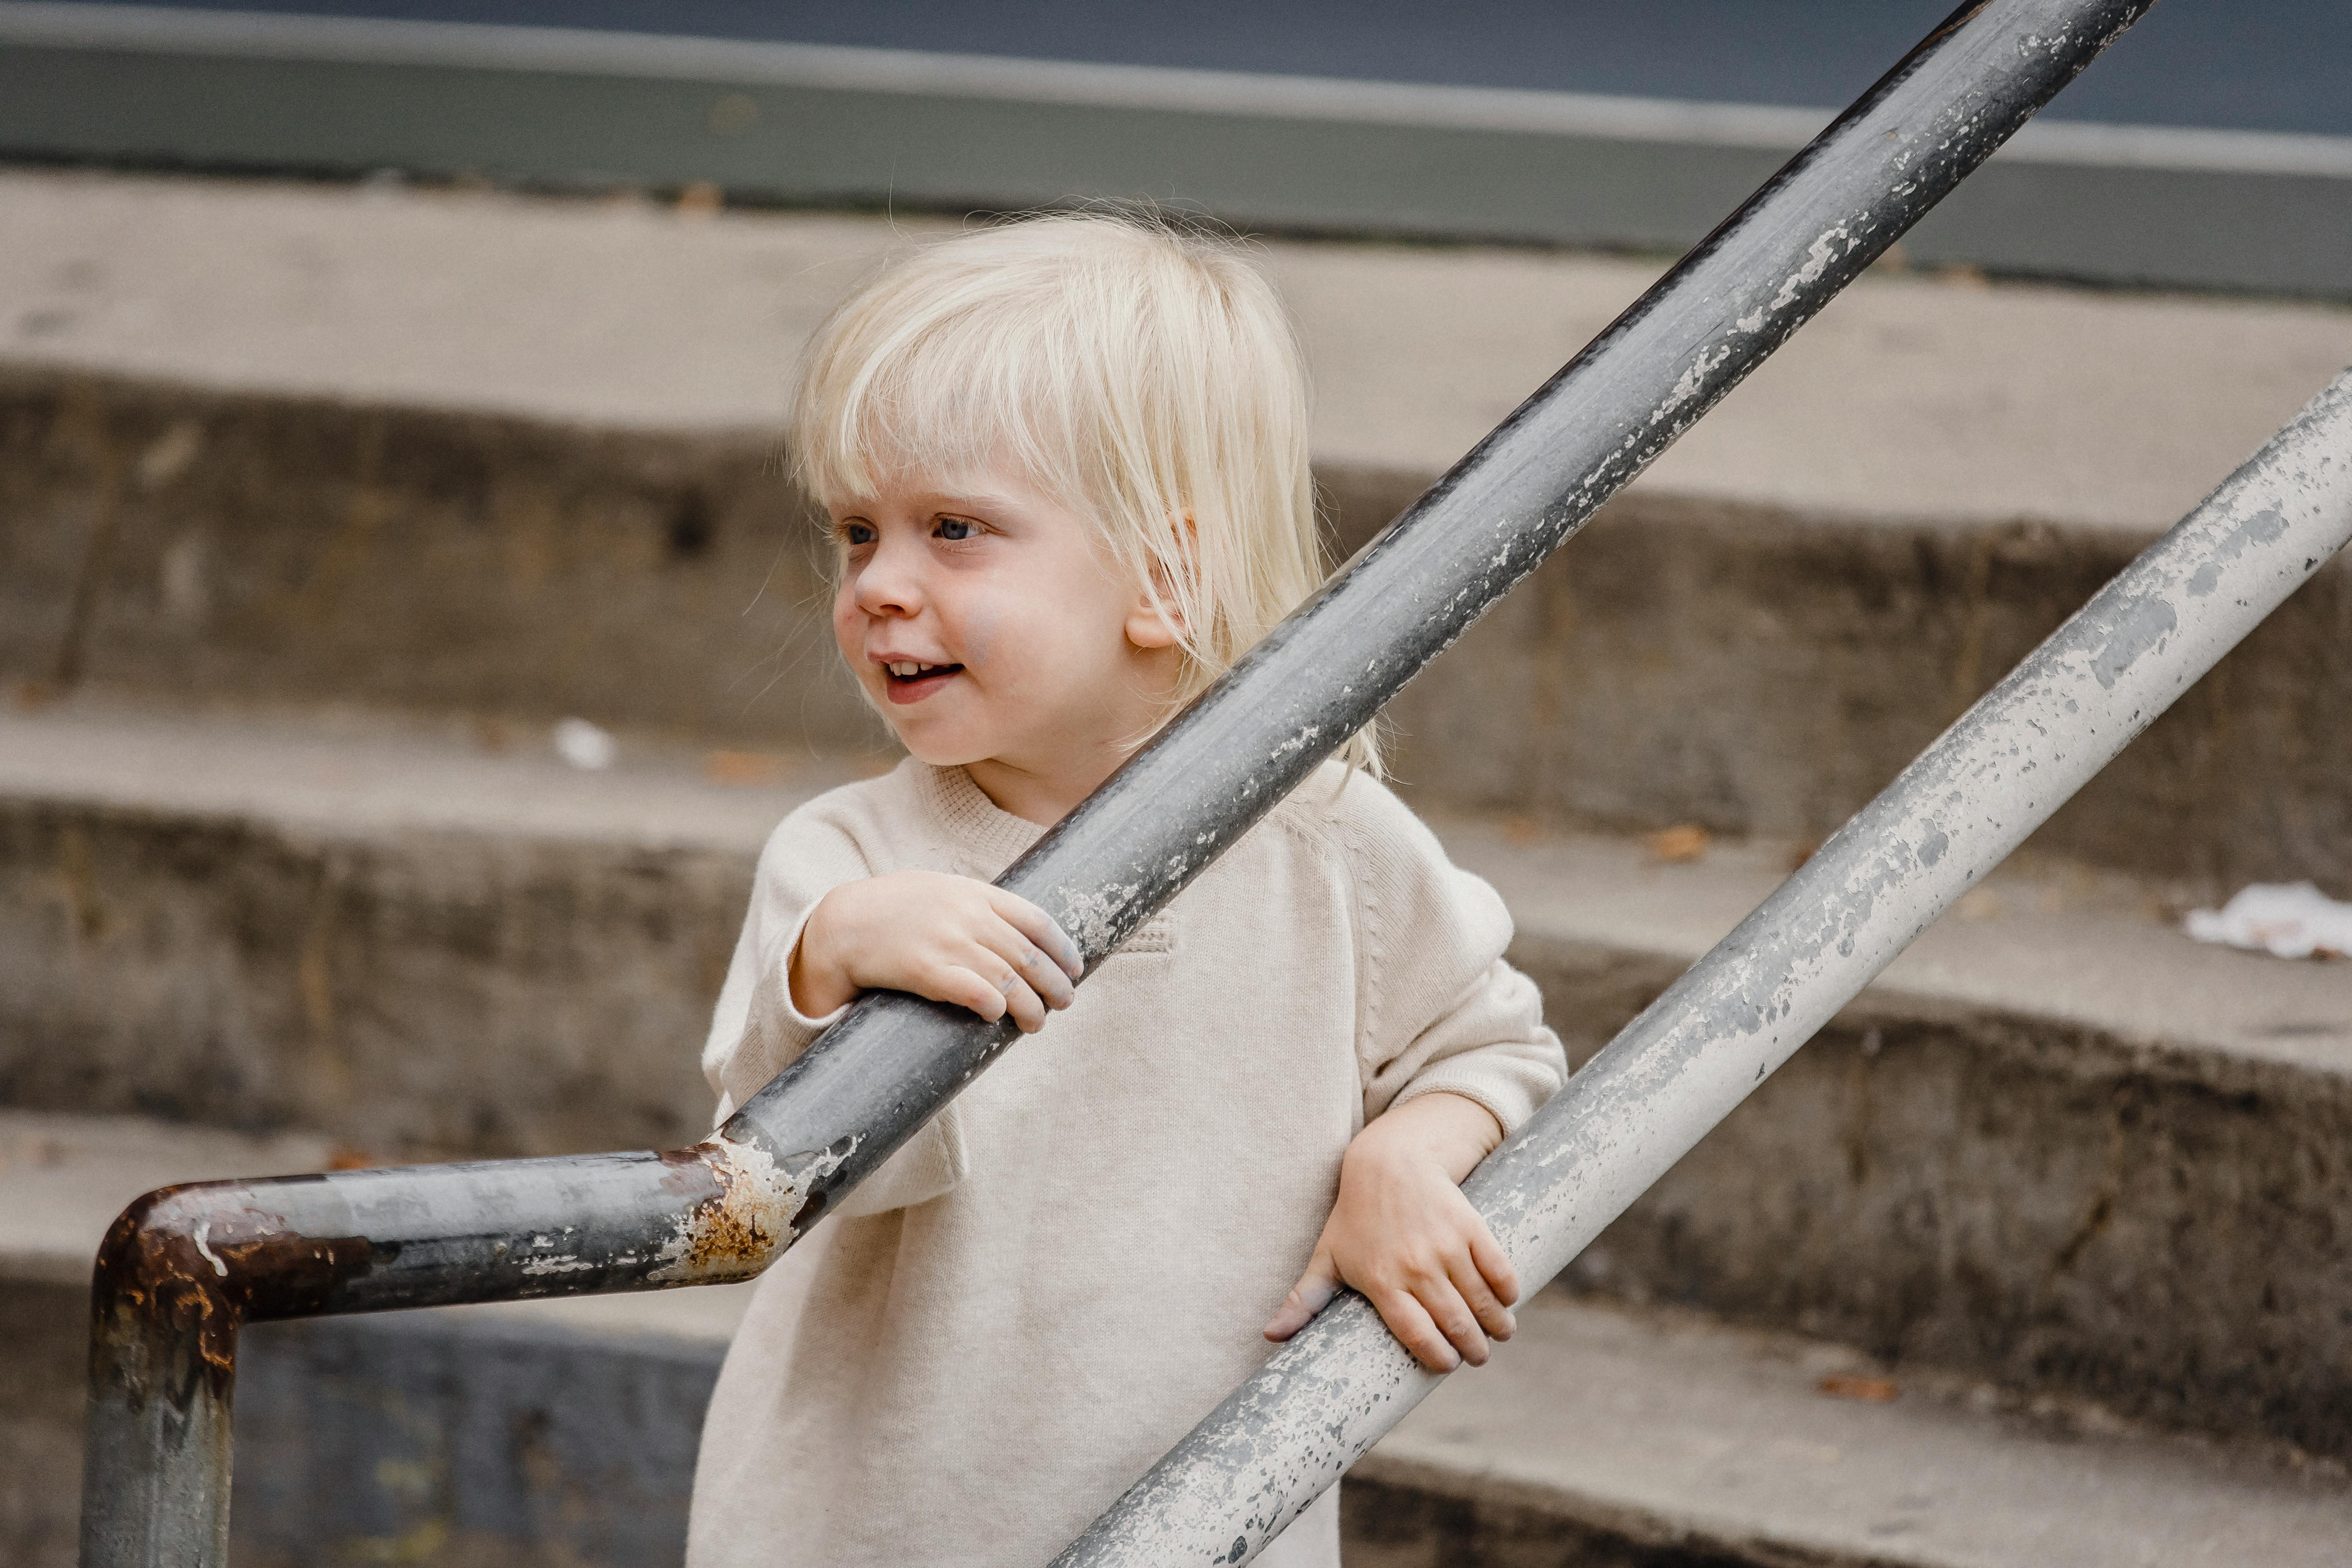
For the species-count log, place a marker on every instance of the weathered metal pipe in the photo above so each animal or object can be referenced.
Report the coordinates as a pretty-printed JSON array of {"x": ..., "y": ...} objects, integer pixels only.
[
  {"x": 155, "y": 1485},
  {"x": 1675, "y": 1072},
  {"x": 184, "y": 1268}
]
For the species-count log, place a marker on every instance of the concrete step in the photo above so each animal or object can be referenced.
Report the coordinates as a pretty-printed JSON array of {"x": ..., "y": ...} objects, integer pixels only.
[
  {"x": 470, "y": 453},
  {"x": 408, "y": 937},
  {"x": 1603, "y": 1435},
  {"x": 564, "y": 1433},
  {"x": 2057, "y": 1145}
]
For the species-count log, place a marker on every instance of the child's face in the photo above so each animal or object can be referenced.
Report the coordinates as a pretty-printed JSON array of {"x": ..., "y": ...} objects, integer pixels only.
[{"x": 986, "y": 627}]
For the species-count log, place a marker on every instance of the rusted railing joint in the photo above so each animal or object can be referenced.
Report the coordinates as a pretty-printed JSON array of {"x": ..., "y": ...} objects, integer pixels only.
[{"x": 184, "y": 1268}]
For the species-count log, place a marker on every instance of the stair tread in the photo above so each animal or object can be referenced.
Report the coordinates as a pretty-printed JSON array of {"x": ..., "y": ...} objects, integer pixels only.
[
  {"x": 1670, "y": 1428},
  {"x": 63, "y": 1178},
  {"x": 365, "y": 773},
  {"x": 1912, "y": 397},
  {"x": 2048, "y": 942},
  {"x": 2053, "y": 942}
]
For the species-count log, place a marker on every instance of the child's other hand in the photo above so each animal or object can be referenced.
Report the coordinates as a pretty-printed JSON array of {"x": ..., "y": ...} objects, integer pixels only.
[
  {"x": 950, "y": 939},
  {"x": 1403, "y": 1235}
]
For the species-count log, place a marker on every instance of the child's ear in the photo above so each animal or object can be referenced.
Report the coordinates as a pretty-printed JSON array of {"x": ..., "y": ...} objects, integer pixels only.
[{"x": 1152, "y": 621}]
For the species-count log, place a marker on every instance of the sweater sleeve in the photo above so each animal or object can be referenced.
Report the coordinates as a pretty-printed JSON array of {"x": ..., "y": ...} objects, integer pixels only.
[
  {"x": 756, "y": 1031},
  {"x": 1437, "y": 1007}
]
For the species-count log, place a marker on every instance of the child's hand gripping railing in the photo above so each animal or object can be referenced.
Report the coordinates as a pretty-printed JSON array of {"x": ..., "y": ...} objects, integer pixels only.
[
  {"x": 1699, "y": 1050},
  {"x": 182, "y": 1270}
]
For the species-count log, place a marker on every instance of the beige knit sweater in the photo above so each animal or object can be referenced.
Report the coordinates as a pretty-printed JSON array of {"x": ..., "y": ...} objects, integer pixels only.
[{"x": 1029, "y": 1303}]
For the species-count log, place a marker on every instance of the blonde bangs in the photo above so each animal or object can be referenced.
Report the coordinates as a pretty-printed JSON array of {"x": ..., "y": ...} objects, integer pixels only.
[{"x": 1146, "y": 378}]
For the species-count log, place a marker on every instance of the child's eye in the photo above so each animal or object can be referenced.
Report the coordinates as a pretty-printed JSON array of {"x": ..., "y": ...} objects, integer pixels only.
[
  {"x": 856, "y": 533},
  {"x": 958, "y": 528}
]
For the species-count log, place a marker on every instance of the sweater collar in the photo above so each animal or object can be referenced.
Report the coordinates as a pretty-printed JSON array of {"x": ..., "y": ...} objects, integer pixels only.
[{"x": 975, "y": 823}]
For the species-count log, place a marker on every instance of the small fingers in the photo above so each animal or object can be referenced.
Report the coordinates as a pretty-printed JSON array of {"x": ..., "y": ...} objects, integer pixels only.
[
  {"x": 1410, "y": 1322},
  {"x": 1454, "y": 1318},
  {"x": 1041, "y": 974},
  {"x": 1494, "y": 1265},
  {"x": 991, "y": 987},
  {"x": 1052, "y": 942},
  {"x": 1477, "y": 1293},
  {"x": 1027, "y": 1008},
  {"x": 964, "y": 988}
]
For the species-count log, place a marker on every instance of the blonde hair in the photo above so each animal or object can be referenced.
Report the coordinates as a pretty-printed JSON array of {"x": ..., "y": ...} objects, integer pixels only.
[{"x": 1145, "y": 377}]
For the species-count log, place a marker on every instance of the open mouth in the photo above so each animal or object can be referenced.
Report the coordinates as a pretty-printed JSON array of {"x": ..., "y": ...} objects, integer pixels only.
[{"x": 911, "y": 680}]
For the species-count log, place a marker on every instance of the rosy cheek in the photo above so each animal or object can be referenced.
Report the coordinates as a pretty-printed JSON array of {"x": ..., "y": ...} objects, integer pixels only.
[
  {"x": 848, "y": 624},
  {"x": 980, "y": 624}
]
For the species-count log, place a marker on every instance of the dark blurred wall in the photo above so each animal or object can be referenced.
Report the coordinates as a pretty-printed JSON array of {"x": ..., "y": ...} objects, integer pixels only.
[{"x": 2261, "y": 65}]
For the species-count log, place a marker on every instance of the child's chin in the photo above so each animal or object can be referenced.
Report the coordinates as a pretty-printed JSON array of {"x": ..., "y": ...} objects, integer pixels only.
[{"x": 938, "y": 750}]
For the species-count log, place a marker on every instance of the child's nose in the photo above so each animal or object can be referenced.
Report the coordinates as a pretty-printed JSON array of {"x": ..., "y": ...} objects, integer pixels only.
[{"x": 888, "y": 583}]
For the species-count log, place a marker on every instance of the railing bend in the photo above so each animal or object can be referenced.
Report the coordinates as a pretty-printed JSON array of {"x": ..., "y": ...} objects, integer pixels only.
[{"x": 183, "y": 1269}]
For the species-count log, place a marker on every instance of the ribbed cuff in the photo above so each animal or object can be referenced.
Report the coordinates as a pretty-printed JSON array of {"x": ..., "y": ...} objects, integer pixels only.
[
  {"x": 791, "y": 1014},
  {"x": 1507, "y": 1103}
]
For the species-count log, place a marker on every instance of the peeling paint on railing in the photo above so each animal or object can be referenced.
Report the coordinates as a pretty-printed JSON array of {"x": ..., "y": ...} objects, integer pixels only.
[
  {"x": 1321, "y": 1402},
  {"x": 737, "y": 1233}
]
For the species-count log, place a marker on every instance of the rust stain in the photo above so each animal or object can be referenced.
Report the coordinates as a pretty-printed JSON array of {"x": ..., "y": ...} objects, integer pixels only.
[
  {"x": 1953, "y": 24},
  {"x": 187, "y": 1266},
  {"x": 736, "y": 1230}
]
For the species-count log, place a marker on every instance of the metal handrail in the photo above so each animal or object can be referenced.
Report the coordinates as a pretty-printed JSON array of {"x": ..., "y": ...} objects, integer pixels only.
[
  {"x": 184, "y": 1268},
  {"x": 1671, "y": 1075}
]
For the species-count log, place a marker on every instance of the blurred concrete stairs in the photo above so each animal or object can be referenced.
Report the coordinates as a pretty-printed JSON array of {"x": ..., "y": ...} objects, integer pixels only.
[{"x": 319, "y": 506}]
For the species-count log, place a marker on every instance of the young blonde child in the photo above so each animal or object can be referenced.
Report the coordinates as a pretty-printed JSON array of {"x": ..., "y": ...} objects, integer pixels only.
[{"x": 1064, "y": 462}]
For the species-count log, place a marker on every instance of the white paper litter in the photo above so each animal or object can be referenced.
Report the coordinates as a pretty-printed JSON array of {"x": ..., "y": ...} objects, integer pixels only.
[
  {"x": 2293, "y": 919},
  {"x": 585, "y": 746}
]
